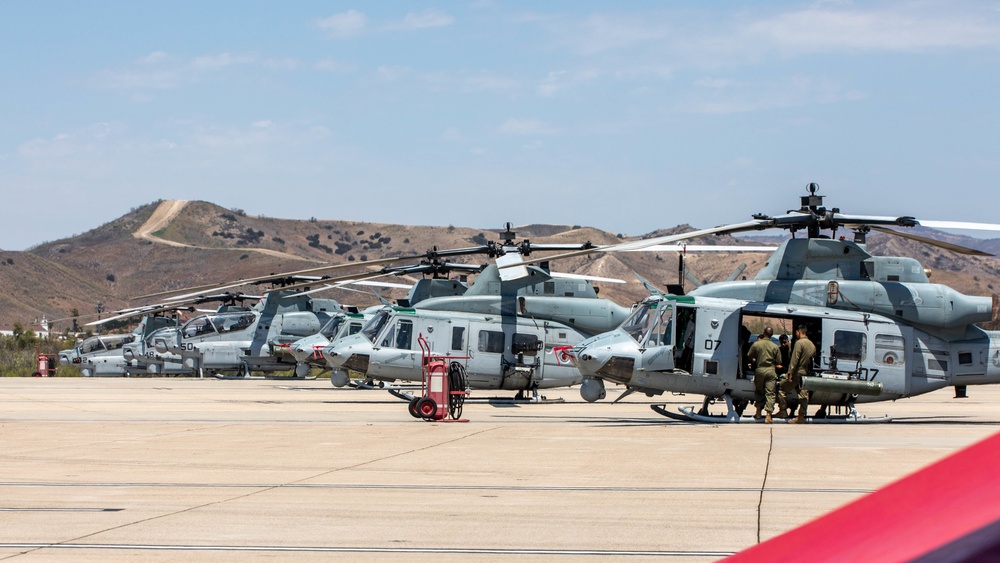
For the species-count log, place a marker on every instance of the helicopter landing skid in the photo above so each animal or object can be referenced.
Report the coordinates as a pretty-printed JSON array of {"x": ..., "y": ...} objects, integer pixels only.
[
  {"x": 400, "y": 394},
  {"x": 688, "y": 414},
  {"x": 236, "y": 377}
]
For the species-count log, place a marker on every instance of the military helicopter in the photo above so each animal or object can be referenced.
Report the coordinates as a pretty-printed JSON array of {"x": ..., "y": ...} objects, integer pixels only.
[
  {"x": 507, "y": 329},
  {"x": 141, "y": 355},
  {"x": 882, "y": 330},
  {"x": 109, "y": 355},
  {"x": 241, "y": 340},
  {"x": 307, "y": 351}
]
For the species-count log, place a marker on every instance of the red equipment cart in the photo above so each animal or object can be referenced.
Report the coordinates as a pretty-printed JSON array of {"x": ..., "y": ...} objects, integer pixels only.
[
  {"x": 46, "y": 364},
  {"x": 443, "y": 388}
]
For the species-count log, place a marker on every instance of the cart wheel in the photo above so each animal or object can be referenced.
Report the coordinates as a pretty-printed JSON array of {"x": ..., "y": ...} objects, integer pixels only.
[
  {"x": 413, "y": 408},
  {"x": 426, "y": 407}
]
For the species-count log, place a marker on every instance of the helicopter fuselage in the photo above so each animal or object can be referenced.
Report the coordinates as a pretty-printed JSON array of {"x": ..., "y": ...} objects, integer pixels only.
[{"x": 695, "y": 344}]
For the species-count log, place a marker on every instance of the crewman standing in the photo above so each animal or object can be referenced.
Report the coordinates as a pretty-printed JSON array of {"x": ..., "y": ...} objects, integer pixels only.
[
  {"x": 764, "y": 356},
  {"x": 799, "y": 366}
]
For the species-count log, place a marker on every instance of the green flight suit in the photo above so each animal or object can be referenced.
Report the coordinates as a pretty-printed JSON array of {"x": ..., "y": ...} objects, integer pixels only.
[
  {"x": 799, "y": 365},
  {"x": 764, "y": 355}
]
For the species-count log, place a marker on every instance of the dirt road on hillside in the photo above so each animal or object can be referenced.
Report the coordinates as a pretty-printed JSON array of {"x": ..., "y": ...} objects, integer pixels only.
[{"x": 169, "y": 209}]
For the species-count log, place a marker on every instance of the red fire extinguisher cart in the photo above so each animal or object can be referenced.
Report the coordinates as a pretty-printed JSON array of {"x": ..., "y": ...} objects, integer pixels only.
[
  {"x": 443, "y": 388},
  {"x": 46, "y": 364}
]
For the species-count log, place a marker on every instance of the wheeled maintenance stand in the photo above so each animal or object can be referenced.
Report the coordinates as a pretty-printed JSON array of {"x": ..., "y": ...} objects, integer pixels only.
[{"x": 443, "y": 388}]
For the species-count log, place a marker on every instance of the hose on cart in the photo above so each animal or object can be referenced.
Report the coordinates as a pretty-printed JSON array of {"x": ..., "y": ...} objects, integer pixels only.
[{"x": 457, "y": 381}]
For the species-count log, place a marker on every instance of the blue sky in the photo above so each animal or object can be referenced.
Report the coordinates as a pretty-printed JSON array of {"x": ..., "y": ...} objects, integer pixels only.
[{"x": 625, "y": 117}]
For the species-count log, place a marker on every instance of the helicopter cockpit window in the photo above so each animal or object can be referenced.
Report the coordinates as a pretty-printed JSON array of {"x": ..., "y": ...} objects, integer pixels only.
[
  {"x": 198, "y": 326},
  {"x": 92, "y": 344},
  {"x": 117, "y": 341},
  {"x": 354, "y": 328},
  {"x": 373, "y": 326},
  {"x": 636, "y": 324},
  {"x": 399, "y": 335},
  {"x": 232, "y": 322},
  {"x": 652, "y": 321},
  {"x": 156, "y": 333},
  {"x": 662, "y": 327},
  {"x": 849, "y": 345},
  {"x": 331, "y": 327}
]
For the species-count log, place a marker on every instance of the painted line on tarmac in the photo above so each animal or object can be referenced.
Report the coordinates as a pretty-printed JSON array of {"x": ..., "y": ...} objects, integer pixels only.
[
  {"x": 61, "y": 509},
  {"x": 401, "y": 550},
  {"x": 348, "y": 486}
]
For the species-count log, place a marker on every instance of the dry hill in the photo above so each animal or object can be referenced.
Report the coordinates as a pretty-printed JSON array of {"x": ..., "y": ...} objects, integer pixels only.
[{"x": 170, "y": 245}]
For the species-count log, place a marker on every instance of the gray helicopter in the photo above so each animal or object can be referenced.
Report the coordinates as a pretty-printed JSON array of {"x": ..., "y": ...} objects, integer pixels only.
[
  {"x": 508, "y": 330},
  {"x": 239, "y": 340},
  {"x": 307, "y": 351},
  {"x": 881, "y": 329},
  {"x": 110, "y": 355}
]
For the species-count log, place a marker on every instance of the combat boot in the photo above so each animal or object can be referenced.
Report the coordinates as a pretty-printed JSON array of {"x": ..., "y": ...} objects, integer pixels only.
[
  {"x": 799, "y": 419},
  {"x": 768, "y": 419},
  {"x": 757, "y": 414}
]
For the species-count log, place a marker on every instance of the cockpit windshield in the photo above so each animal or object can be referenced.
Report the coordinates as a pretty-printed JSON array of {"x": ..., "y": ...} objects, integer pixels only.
[
  {"x": 398, "y": 335},
  {"x": 198, "y": 326},
  {"x": 158, "y": 332},
  {"x": 651, "y": 323},
  {"x": 102, "y": 343},
  {"x": 220, "y": 323},
  {"x": 232, "y": 322},
  {"x": 373, "y": 326},
  {"x": 92, "y": 344},
  {"x": 331, "y": 327}
]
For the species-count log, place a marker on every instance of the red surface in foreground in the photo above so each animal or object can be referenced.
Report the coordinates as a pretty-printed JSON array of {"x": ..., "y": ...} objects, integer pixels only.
[{"x": 904, "y": 520}]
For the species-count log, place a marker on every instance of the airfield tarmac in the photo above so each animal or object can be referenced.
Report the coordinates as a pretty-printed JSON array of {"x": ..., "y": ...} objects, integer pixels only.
[{"x": 205, "y": 469}]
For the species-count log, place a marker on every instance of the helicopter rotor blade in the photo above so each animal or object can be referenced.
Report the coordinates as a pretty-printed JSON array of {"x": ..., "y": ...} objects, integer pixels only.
[
  {"x": 960, "y": 225},
  {"x": 198, "y": 290},
  {"x": 585, "y": 277},
  {"x": 140, "y": 313},
  {"x": 647, "y": 284},
  {"x": 330, "y": 283},
  {"x": 934, "y": 242},
  {"x": 754, "y": 225},
  {"x": 704, "y": 248},
  {"x": 736, "y": 273}
]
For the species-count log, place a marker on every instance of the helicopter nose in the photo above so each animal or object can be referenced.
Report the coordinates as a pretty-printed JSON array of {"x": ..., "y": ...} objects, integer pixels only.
[
  {"x": 333, "y": 357},
  {"x": 588, "y": 359}
]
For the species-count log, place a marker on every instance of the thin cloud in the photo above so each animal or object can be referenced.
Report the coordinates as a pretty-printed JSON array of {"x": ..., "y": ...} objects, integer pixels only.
[
  {"x": 159, "y": 71},
  {"x": 343, "y": 25},
  {"x": 710, "y": 39},
  {"x": 724, "y": 97},
  {"x": 559, "y": 80},
  {"x": 330, "y": 65},
  {"x": 525, "y": 127},
  {"x": 424, "y": 20},
  {"x": 220, "y": 61},
  {"x": 829, "y": 30}
]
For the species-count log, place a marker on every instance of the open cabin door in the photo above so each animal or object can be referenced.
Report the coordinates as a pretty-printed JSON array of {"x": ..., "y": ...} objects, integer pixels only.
[{"x": 657, "y": 346}]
